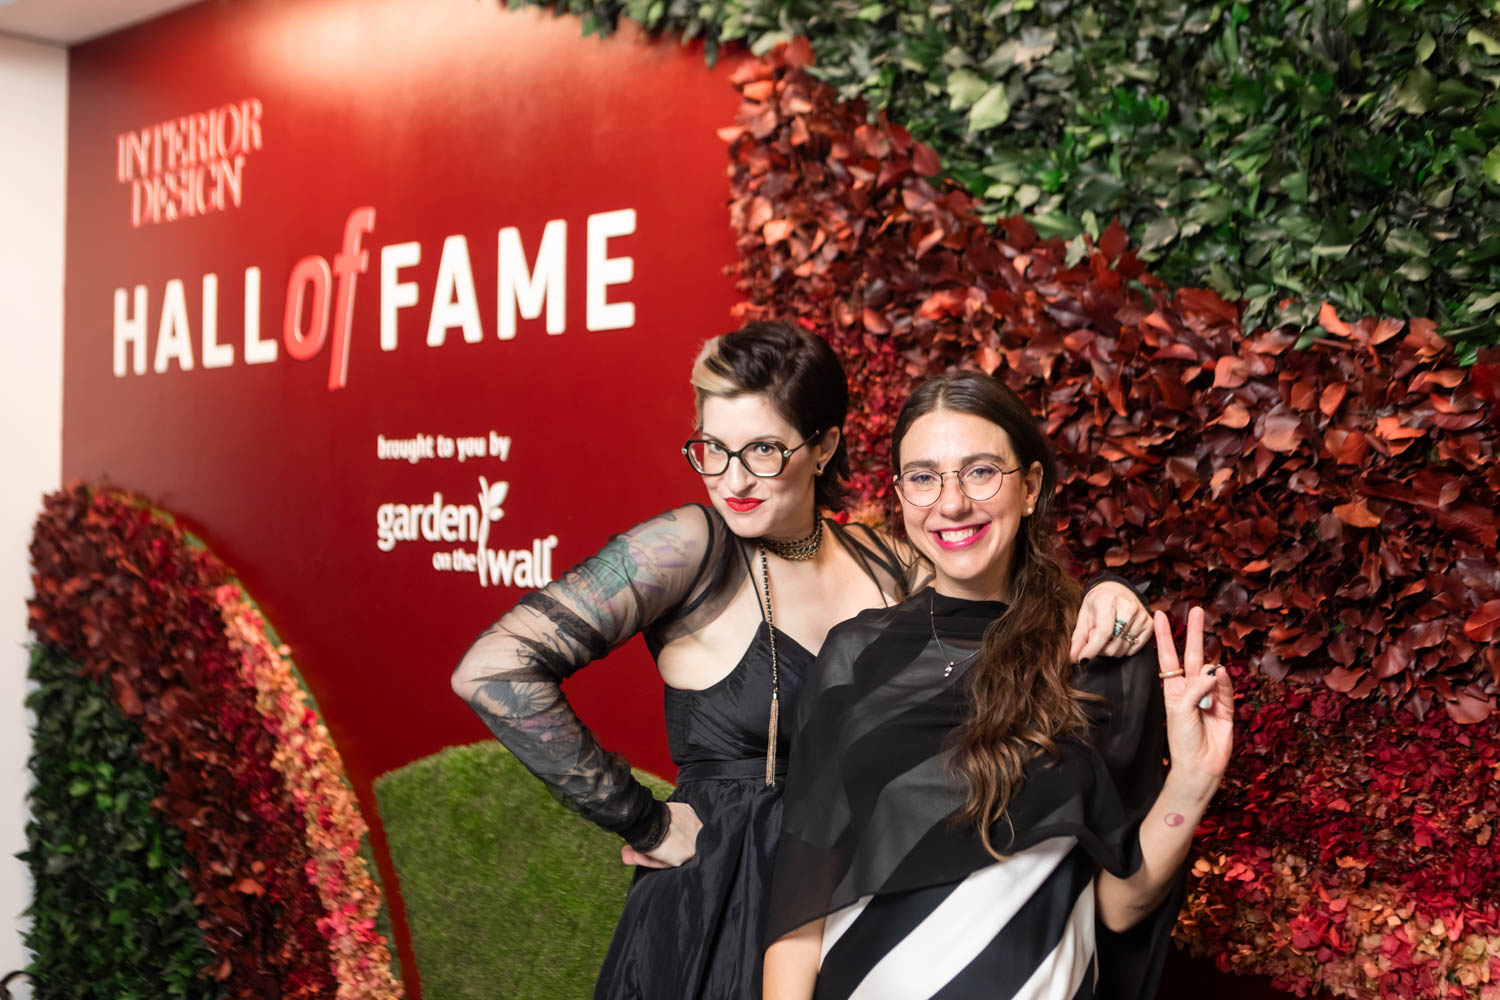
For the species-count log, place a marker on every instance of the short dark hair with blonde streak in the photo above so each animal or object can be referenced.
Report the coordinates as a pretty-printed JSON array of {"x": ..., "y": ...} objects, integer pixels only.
[{"x": 798, "y": 372}]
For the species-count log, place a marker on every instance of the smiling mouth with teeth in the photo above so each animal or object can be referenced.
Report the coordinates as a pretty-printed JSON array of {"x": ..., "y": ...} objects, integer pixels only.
[{"x": 952, "y": 538}]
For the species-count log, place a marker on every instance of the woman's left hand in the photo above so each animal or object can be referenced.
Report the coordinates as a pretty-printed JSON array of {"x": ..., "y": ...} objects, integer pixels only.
[
  {"x": 1199, "y": 699},
  {"x": 1111, "y": 622}
]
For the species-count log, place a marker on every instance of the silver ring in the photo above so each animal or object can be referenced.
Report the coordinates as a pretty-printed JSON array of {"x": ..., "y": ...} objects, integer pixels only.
[{"x": 1120, "y": 624}]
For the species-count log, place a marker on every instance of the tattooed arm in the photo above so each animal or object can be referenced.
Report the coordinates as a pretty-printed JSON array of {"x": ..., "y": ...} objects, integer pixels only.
[{"x": 512, "y": 673}]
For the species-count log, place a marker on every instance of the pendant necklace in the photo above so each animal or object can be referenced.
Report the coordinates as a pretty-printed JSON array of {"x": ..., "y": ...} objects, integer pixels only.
[
  {"x": 932, "y": 618},
  {"x": 800, "y": 549},
  {"x": 771, "y": 725}
]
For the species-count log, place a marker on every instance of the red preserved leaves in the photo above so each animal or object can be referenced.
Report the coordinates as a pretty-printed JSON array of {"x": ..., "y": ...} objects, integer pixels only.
[
  {"x": 1322, "y": 481},
  {"x": 1357, "y": 514},
  {"x": 1335, "y": 508},
  {"x": 1482, "y": 624},
  {"x": 121, "y": 592}
]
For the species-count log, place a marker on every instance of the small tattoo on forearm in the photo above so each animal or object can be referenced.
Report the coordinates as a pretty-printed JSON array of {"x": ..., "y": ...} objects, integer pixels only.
[
  {"x": 1175, "y": 819},
  {"x": 1153, "y": 901}
]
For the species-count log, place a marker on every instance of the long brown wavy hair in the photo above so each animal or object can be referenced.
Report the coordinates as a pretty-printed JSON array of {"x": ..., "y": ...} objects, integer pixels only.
[{"x": 1021, "y": 699}]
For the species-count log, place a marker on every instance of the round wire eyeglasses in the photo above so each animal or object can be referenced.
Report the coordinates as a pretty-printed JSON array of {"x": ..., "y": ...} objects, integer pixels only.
[{"x": 977, "y": 480}]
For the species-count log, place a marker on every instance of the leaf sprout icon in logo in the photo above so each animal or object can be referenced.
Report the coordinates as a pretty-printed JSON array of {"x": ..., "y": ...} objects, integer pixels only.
[
  {"x": 520, "y": 567},
  {"x": 491, "y": 497}
]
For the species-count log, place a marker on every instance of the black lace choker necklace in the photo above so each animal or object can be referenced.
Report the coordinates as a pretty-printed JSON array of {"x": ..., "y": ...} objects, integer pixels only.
[{"x": 798, "y": 549}]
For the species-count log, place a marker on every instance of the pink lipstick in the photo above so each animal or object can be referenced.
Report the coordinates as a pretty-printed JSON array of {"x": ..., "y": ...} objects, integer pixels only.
[{"x": 976, "y": 531}]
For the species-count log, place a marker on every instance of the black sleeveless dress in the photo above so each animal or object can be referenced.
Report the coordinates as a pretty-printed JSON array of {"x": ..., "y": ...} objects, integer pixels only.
[
  {"x": 718, "y": 739},
  {"x": 695, "y": 931}
]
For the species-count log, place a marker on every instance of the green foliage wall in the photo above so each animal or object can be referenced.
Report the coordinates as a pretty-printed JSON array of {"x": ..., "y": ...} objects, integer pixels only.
[
  {"x": 94, "y": 836},
  {"x": 1339, "y": 150}
]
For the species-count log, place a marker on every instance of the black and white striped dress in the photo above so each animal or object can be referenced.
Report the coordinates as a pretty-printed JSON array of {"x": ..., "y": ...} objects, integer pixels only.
[{"x": 914, "y": 907}]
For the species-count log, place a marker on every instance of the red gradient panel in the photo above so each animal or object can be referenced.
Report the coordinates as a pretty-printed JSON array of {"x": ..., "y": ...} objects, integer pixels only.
[{"x": 500, "y": 232}]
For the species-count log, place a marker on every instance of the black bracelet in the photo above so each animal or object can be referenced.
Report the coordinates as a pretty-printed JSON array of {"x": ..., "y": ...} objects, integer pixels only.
[{"x": 651, "y": 836}]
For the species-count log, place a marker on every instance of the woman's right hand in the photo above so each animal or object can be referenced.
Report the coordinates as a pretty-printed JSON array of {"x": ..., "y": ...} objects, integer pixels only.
[{"x": 676, "y": 848}]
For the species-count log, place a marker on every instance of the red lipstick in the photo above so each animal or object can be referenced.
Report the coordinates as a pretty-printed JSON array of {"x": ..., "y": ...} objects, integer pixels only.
[{"x": 742, "y": 505}]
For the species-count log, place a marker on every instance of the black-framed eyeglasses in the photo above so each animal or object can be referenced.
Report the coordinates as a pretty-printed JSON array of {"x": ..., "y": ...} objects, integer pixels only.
[
  {"x": 763, "y": 459},
  {"x": 977, "y": 480}
]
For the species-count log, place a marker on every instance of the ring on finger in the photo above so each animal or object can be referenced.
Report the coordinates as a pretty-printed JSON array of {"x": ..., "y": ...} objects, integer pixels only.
[
  {"x": 1120, "y": 625},
  {"x": 1171, "y": 673}
]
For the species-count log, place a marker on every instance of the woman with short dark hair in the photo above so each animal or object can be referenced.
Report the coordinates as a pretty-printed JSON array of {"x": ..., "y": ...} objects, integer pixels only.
[{"x": 734, "y": 600}]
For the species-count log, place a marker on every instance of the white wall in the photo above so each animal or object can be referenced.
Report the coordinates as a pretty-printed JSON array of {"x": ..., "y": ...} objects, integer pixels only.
[{"x": 33, "y": 133}]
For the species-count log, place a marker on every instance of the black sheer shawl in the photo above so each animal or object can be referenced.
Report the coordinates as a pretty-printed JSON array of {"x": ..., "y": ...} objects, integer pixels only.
[
  {"x": 666, "y": 577},
  {"x": 869, "y": 791}
]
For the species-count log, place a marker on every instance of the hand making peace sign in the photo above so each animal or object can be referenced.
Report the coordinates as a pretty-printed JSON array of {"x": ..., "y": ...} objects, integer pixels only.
[{"x": 1199, "y": 699}]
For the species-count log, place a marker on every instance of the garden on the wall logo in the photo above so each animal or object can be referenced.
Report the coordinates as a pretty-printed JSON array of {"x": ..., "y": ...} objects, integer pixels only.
[
  {"x": 458, "y": 526},
  {"x": 189, "y": 166}
]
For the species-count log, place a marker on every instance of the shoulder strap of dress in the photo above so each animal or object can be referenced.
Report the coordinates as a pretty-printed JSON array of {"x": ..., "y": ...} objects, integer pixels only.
[{"x": 870, "y": 550}]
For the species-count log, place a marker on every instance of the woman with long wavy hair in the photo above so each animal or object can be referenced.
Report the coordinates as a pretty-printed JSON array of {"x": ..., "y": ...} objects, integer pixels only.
[{"x": 969, "y": 813}]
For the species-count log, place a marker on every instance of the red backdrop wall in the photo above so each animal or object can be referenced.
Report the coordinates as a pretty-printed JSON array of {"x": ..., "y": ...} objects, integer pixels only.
[{"x": 275, "y": 129}]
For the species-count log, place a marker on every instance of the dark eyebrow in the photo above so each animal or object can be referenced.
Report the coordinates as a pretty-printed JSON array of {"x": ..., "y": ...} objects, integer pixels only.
[
  {"x": 963, "y": 462},
  {"x": 702, "y": 435}
]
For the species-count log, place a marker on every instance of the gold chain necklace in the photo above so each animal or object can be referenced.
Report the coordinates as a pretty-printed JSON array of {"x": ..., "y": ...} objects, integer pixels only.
[
  {"x": 765, "y": 575},
  {"x": 799, "y": 549}
]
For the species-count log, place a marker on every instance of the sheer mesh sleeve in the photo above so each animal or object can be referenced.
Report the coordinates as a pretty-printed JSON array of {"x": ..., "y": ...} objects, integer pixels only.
[
  {"x": 893, "y": 563},
  {"x": 1138, "y": 590},
  {"x": 512, "y": 673},
  {"x": 870, "y": 789}
]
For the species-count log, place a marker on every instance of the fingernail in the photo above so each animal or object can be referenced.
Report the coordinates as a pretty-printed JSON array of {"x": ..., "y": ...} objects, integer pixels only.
[
  {"x": 1212, "y": 671},
  {"x": 1206, "y": 702}
]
